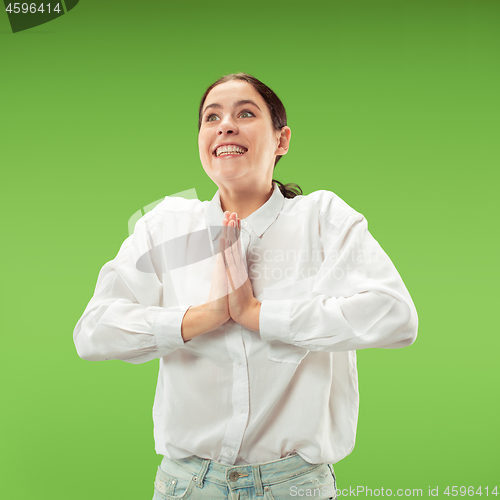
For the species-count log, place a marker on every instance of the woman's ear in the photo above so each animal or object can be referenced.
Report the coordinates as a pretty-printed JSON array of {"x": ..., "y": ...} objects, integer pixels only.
[{"x": 284, "y": 140}]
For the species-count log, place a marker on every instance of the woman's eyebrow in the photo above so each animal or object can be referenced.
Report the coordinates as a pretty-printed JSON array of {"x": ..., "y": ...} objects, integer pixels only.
[{"x": 236, "y": 104}]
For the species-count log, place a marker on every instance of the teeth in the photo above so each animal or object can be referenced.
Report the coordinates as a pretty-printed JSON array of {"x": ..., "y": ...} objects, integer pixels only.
[{"x": 228, "y": 150}]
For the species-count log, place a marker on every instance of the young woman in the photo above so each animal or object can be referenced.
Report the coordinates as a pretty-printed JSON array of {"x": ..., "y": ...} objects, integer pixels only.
[{"x": 255, "y": 303}]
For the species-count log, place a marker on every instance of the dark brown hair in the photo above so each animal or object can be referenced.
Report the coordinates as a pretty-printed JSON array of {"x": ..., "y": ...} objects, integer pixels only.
[{"x": 278, "y": 116}]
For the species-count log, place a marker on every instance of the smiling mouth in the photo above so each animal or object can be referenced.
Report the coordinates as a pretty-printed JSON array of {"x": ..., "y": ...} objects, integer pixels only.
[
  {"x": 228, "y": 154},
  {"x": 229, "y": 151}
]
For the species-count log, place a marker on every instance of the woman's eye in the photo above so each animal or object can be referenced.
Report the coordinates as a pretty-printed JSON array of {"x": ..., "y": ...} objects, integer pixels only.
[{"x": 209, "y": 117}]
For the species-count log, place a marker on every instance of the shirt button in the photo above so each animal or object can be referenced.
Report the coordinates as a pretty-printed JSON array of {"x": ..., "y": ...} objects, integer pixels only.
[
  {"x": 242, "y": 410},
  {"x": 229, "y": 453},
  {"x": 244, "y": 223},
  {"x": 238, "y": 361}
]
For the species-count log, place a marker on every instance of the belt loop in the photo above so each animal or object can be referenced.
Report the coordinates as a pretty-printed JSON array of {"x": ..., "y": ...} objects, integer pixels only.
[
  {"x": 201, "y": 475},
  {"x": 257, "y": 480}
]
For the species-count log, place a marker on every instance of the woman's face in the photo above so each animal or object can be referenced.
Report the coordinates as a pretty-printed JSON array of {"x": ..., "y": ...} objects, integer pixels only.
[{"x": 226, "y": 120}]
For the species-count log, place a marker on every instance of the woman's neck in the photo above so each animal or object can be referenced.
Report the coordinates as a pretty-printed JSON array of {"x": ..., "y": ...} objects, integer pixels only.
[{"x": 245, "y": 202}]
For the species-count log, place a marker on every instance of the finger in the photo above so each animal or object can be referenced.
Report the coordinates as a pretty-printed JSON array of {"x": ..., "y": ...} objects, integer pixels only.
[
  {"x": 221, "y": 246},
  {"x": 230, "y": 268},
  {"x": 220, "y": 263},
  {"x": 237, "y": 237},
  {"x": 224, "y": 224},
  {"x": 221, "y": 238},
  {"x": 242, "y": 257},
  {"x": 234, "y": 218},
  {"x": 237, "y": 267},
  {"x": 230, "y": 257},
  {"x": 231, "y": 232},
  {"x": 236, "y": 232}
]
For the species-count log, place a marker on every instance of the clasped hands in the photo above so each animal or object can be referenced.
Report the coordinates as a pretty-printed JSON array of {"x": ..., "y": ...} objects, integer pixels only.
[{"x": 231, "y": 294}]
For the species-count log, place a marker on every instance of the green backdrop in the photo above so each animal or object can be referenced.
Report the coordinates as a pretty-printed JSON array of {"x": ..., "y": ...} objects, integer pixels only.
[{"x": 393, "y": 105}]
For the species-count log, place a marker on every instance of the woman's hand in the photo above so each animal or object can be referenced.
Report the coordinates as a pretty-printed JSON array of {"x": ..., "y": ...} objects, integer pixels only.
[
  {"x": 217, "y": 304},
  {"x": 244, "y": 308}
]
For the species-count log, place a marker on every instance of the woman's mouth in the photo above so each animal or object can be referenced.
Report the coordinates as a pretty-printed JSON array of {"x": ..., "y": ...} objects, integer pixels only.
[{"x": 230, "y": 150}]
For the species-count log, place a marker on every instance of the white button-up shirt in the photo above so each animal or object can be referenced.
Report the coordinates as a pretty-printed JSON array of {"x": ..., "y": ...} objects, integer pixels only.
[{"x": 233, "y": 395}]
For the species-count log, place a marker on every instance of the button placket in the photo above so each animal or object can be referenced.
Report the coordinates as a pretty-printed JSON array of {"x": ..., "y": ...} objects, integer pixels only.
[
  {"x": 245, "y": 243},
  {"x": 240, "y": 396}
]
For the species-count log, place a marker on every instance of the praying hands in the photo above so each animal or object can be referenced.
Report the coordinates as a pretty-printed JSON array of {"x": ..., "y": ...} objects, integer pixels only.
[
  {"x": 243, "y": 307},
  {"x": 231, "y": 293}
]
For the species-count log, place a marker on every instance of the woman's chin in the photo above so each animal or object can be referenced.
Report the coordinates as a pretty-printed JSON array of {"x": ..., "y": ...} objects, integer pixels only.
[{"x": 229, "y": 170}]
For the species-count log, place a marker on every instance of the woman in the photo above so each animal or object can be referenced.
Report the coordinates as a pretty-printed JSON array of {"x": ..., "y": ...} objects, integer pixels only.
[{"x": 255, "y": 303}]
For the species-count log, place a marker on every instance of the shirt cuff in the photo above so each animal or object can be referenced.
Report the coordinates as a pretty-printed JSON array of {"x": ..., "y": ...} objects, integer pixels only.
[
  {"x": 274, "y": 320},
  {"x": 167, "y": 328}
]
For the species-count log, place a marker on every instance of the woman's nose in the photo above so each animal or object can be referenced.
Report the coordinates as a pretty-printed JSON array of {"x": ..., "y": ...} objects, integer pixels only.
[{"x": 227, "y": 126}]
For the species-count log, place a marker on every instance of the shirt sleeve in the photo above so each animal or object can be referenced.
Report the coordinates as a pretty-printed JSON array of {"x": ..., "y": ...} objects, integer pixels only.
[
  {"x": 358, "y": 298},
  {"x": 124, "y": 319}
]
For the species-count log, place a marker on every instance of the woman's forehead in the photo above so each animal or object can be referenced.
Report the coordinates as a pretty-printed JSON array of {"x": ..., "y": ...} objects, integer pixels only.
[{"x": 235, "y": 90}]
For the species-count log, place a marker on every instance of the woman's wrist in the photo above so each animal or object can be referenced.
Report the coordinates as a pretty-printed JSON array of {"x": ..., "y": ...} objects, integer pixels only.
[
  {"x": 251, "y": 319},
  {"x": 199, "y": 320},
  {"x": 213, "y": 317}
]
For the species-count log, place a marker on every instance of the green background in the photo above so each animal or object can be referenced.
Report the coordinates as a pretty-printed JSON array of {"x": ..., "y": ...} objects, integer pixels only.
[{"x": 393, "y": 105}]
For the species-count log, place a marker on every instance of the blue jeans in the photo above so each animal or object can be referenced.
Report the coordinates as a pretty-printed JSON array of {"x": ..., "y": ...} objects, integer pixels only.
[{"x": 290, "y": 477}]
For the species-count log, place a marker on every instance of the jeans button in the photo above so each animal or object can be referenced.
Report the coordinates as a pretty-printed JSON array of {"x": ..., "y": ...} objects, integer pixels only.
[{"x": 234, "y": 475}]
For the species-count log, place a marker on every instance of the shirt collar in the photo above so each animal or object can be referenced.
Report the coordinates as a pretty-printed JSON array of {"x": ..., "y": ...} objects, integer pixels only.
[{"x": 259, "y": 221}]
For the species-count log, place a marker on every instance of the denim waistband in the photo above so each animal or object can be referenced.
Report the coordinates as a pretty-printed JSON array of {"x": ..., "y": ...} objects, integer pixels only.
[{"x": 243, "y": 476}]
